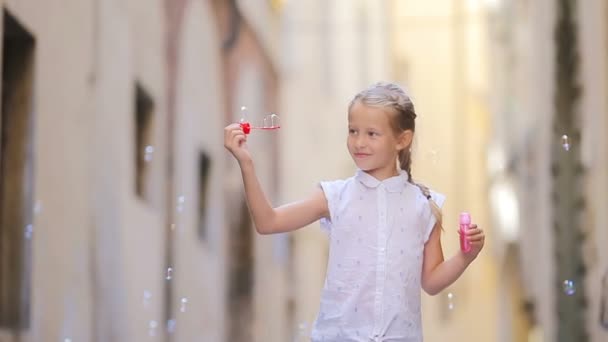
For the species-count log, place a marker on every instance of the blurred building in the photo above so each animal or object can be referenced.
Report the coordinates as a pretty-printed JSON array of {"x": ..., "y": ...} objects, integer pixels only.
[
  {"x": 121, "y": 216},
  {"x": 548, "y": 163}
]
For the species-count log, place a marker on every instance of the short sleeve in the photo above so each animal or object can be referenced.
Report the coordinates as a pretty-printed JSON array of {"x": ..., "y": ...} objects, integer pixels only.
[
  {"x": 428, "y": 215},
  {"x": 332, "y": 191}
]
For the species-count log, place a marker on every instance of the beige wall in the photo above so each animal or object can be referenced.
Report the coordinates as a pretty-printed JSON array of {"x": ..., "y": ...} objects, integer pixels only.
[{"x": 265, "y": 21}]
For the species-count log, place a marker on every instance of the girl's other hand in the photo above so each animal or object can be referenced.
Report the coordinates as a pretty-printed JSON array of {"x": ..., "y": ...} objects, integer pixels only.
[
  {"x": 477, "y": 238},
  {"x": 235, "y": 141}
]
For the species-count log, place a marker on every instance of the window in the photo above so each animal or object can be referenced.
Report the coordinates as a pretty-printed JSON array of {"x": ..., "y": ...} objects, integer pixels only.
[
  {"x": 144, "y": 148},
  {"x": 16, "y": 174},
  {"x": 204, "y": 167},
  {"x": 604, "y": 302},
  {"x": 240, "y": 276}
]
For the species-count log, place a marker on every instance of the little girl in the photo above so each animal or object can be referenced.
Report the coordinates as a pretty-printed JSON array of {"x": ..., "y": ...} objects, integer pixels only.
[{"x": 384, "y": 228}]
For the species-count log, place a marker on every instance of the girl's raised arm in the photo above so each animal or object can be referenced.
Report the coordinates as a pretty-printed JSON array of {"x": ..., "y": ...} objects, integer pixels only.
[{"x": 269, "y": 220}]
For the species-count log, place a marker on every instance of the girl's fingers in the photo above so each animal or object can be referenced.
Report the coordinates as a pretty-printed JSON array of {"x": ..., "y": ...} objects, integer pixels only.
[
  {"x": 476, "y": 238},
  {"x": 231, "y": 128},
  {"x": 238, "y": 136},
  {"x": 229, "y": 132},
  {"x": 236, "y": 133},
  {"x": 474, "y": 231},
  {"x": 477, "y": 243},
  {"x": 241, "y": 140},
  {"x": 234, "y": 137}
]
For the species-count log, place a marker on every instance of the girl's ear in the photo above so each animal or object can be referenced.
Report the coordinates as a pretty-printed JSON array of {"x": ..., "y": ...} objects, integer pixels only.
[{"x": 405, "y": 139}]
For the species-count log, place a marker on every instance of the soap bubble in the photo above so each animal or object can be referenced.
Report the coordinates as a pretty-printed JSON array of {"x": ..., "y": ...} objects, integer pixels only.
[
  {"x": 29, "y": 231},
  {"x": 147, "y": 298},
  {"x": 569, "y": 287},
  {"x": 303, "y": 333},
  {"x": 450, "y": 301},
  {"x": 171, "y": 326},
  {"x": 37, "y": 207},
  {"x": 183, "y": 301},
  {"x": 244, "y": 114},
  {"x": 148, "y": 152},
  {"x": 566, "y": 142},
  {"x": 271, "y": 121},
  {"x": 152, "y": 328},
  {"x": 181, "y": 200}
]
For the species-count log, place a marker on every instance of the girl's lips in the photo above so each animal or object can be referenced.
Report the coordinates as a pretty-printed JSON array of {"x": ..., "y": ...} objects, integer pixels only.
[{"x": 361, "y": 155}]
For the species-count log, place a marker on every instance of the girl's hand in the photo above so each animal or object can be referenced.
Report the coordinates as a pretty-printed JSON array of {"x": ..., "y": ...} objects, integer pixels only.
[
  {"x": 235, "y": 141},
  {"x": 477, "y": 239}
]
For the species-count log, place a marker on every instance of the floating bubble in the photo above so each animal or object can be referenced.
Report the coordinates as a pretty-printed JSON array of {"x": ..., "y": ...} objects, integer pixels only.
[
  {"x": 169, "y": 273},
  {"x": 303, "y": 333},
  {"x": 152, "y": 325},
  {"x": 148, "y": 152},
  {"x": 271, "y": 121},
  {"x": 37, "y": 207},
  {"x": 566, "y": 142},
  {"x": 244, "y": 114},
  {"x": 184, "y": 301},
  {"x": 29, "y": 231},
  {"x": 450, "y": 301},
  {"x": 569, "y": 287},
  {"x": 147, "y": 297},
  {"x": 432, "y": 156},
  {"x": 171, "y": 326},
  {"x": 181, "y": 200}
]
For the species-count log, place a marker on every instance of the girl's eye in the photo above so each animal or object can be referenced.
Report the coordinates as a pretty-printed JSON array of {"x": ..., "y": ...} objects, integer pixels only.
[
  {"x": 351, "y": 131},
  {"x": 373, "y": 134}
]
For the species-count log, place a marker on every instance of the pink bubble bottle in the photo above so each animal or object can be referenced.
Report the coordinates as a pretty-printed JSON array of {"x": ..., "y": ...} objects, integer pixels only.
[{"x": 465, "y": 223}]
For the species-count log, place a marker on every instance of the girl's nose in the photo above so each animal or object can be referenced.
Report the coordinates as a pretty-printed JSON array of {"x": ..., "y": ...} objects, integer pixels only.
[{"x": 360, "y": 142}]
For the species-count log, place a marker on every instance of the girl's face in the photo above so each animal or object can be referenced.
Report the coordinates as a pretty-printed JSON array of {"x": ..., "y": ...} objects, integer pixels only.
[{"x": 372, "y": 142}]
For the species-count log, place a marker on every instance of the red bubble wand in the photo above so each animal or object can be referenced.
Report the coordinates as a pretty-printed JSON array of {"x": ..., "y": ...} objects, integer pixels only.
[{"x": 271, "y": 122}]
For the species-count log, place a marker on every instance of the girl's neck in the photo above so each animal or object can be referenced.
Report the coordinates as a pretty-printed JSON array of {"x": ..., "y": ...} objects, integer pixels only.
[{"x": 381, "y": 174}]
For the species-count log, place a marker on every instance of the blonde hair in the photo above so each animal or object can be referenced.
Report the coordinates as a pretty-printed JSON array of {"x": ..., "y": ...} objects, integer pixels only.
[{"x": 403, "y": 117}]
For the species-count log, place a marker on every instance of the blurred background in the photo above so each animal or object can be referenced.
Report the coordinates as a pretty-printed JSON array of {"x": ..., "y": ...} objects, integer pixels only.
[{"x": 122, "y": 217}]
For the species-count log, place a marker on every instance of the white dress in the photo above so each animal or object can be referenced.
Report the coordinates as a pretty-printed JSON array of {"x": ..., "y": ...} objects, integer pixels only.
[{"x": 377, "y": 232}]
